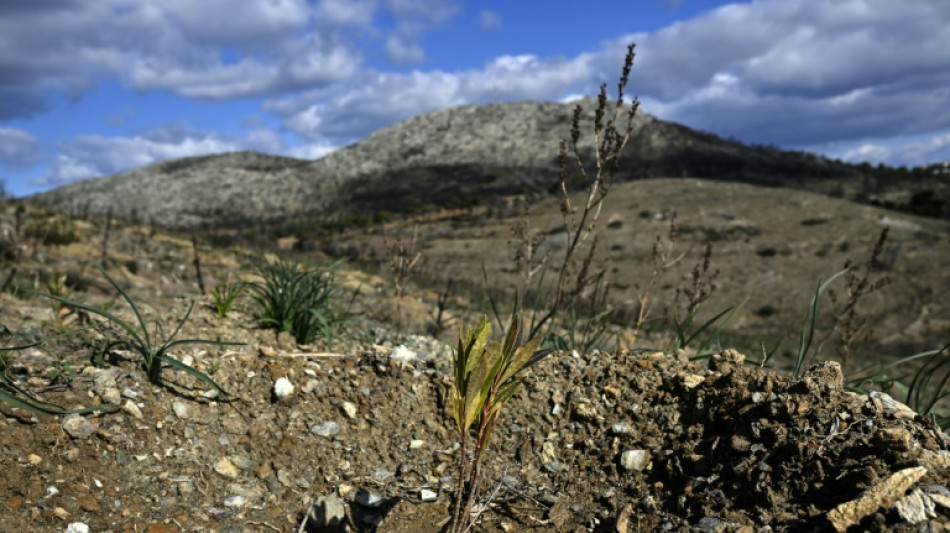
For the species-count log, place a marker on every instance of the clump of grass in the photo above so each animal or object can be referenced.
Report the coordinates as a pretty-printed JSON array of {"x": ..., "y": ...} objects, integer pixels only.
[
  {"x": 485, "y": 376},
  {"x": 225, "y": 295},
  {"x": 297, "y": 299},
  {"x": 52, "y": 231},
  {"x": 152, "y": 348}
]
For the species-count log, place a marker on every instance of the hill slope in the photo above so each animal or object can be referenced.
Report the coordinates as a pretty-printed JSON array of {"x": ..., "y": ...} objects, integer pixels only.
[{"x": 454, "y": 156}]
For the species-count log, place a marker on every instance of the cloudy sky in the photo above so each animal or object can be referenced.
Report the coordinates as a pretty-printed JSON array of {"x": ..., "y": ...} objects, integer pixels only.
[{"x": 90, "y": 88}]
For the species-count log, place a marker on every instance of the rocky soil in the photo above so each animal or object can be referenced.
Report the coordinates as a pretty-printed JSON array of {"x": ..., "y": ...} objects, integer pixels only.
[
  {"x": 627, "y": 441},
  {"x": 600, "y": 442}
]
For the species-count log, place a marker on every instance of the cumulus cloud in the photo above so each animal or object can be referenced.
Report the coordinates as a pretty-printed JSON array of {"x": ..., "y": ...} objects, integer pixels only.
[
  {"x": 375, "y": 100},
  {"x": 899, "y": 151},
  {"x": 18, "y": 149},
  {"x": 206, "y": 49},
  {"x": 92, "y": 156},
  {"x": 793, "y": 72}
]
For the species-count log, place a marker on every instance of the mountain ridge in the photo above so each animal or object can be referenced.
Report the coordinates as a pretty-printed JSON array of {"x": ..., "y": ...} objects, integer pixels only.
[{"x": 456, "y": 156}]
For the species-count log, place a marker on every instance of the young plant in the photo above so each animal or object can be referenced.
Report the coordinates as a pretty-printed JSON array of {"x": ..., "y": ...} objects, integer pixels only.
[
  {"x": 137, "y": 339},
  {"x": 485, "y": 376},
  {"x": 297, "y": 299},
  {"x": 224, "y": 295}
]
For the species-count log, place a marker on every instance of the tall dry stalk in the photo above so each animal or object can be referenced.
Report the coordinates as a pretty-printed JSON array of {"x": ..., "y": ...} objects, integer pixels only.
[{"x": 575, "y": 274}]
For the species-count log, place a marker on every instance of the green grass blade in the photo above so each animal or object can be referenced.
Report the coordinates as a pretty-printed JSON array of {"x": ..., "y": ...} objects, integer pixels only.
[
  {"x": 175, "y": 363},
  {"x": 135, "y": 308},
  {"x": 808, "y": 325}
]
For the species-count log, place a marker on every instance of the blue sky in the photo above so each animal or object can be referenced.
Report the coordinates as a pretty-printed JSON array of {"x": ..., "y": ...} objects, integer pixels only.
[{"x": 95, "y": 88}]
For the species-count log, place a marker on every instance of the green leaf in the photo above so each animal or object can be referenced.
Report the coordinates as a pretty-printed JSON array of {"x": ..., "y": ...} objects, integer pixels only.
[{"x": 174, "y": 363}]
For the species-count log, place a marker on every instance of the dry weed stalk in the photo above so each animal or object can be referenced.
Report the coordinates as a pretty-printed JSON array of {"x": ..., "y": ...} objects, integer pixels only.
[
  {"x": 700, "y": 284},
  {"x": 848, "y": 324},
  {"x": 581, "y": 224},
  {"x": 663, "y": 260},
  {"x": 403, "y": 259}
]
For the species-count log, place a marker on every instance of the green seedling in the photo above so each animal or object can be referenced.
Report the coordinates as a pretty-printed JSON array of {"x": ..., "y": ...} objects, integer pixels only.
[
  {"x": 485, "y": 376},
  {"x": 224, "y": 295},
  {"x": 137, "y": 339}
]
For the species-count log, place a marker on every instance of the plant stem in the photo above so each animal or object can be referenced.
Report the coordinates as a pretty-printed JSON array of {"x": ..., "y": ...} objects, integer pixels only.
[{"x": 456, "y": 526}]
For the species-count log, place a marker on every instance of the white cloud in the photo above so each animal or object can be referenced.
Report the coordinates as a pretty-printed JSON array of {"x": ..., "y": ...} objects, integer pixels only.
[
  {"x": 375, "y": 100},
  {"x": 910, "y": 151},
  {"x": 489, "y": 20},
  {"x": 795, "y": 72},
  {"x": 212, "y": 49},
  {"x": 18, "y": 149},
  {"x": 93, "y": 156},
  {"x": 346, "y": 13}
]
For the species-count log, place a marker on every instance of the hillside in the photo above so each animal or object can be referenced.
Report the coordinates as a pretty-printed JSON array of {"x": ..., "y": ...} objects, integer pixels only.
[{"x": 452, "y": 157}]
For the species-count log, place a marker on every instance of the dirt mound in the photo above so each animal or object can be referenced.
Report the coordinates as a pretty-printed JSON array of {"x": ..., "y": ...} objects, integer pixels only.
[{"x": 602, "y": 442}]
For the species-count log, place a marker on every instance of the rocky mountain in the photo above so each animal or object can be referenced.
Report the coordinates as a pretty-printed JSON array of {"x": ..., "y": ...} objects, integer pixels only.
[{"x": 449, "y": 158}]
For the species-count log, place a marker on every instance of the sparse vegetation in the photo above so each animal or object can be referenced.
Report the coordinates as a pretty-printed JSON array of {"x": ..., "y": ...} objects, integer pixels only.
[
  {"x": 298, "y": 299},
  {"x": 16, "y": 396},
  {"x": 152, "y": 347},
  {"x": 552, "y": 455},
  {"x": 55, "y": 230}
]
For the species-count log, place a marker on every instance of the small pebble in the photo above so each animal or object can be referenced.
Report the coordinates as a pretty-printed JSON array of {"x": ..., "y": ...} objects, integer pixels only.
[
  {"x": 226, "y": 468},
  {"x": 635, "y": 460},
  {"x": 326, "y": 429},
  {"x": 349, "y": 410},
  {"x": 283, "y": 389},
  {"x": 130, "y": 407},
  {"x": 427, "y": 495},
  {"x": 77, "y": 527},
  {"x": 182, "y": 409},
  {"x": 78, "y": 427},
  {"x": 369, "y": 499},
  {"x": 235, "y": 501},
  {"x": 34, "y": 459}
]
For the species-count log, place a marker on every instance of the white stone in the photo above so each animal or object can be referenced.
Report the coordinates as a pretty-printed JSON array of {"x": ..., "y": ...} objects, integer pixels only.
[
  {"x": 78, "y": 427},
  {"x": 369, "y": 499},
  {"x": 130, "y": 407},
  {"x": 403, "y": 355},
  {"x": 235, "y": 501},
  {"x": 326, "y": 429},
  {"x": 427, "y": 495},
  {"x": 327, "y": 512},
  {"x": 77, "y": 527},
  {"x": 283, "y": 388},
  {"x": 182, "y": 409},
  {"x": 635, "y": 460}
]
